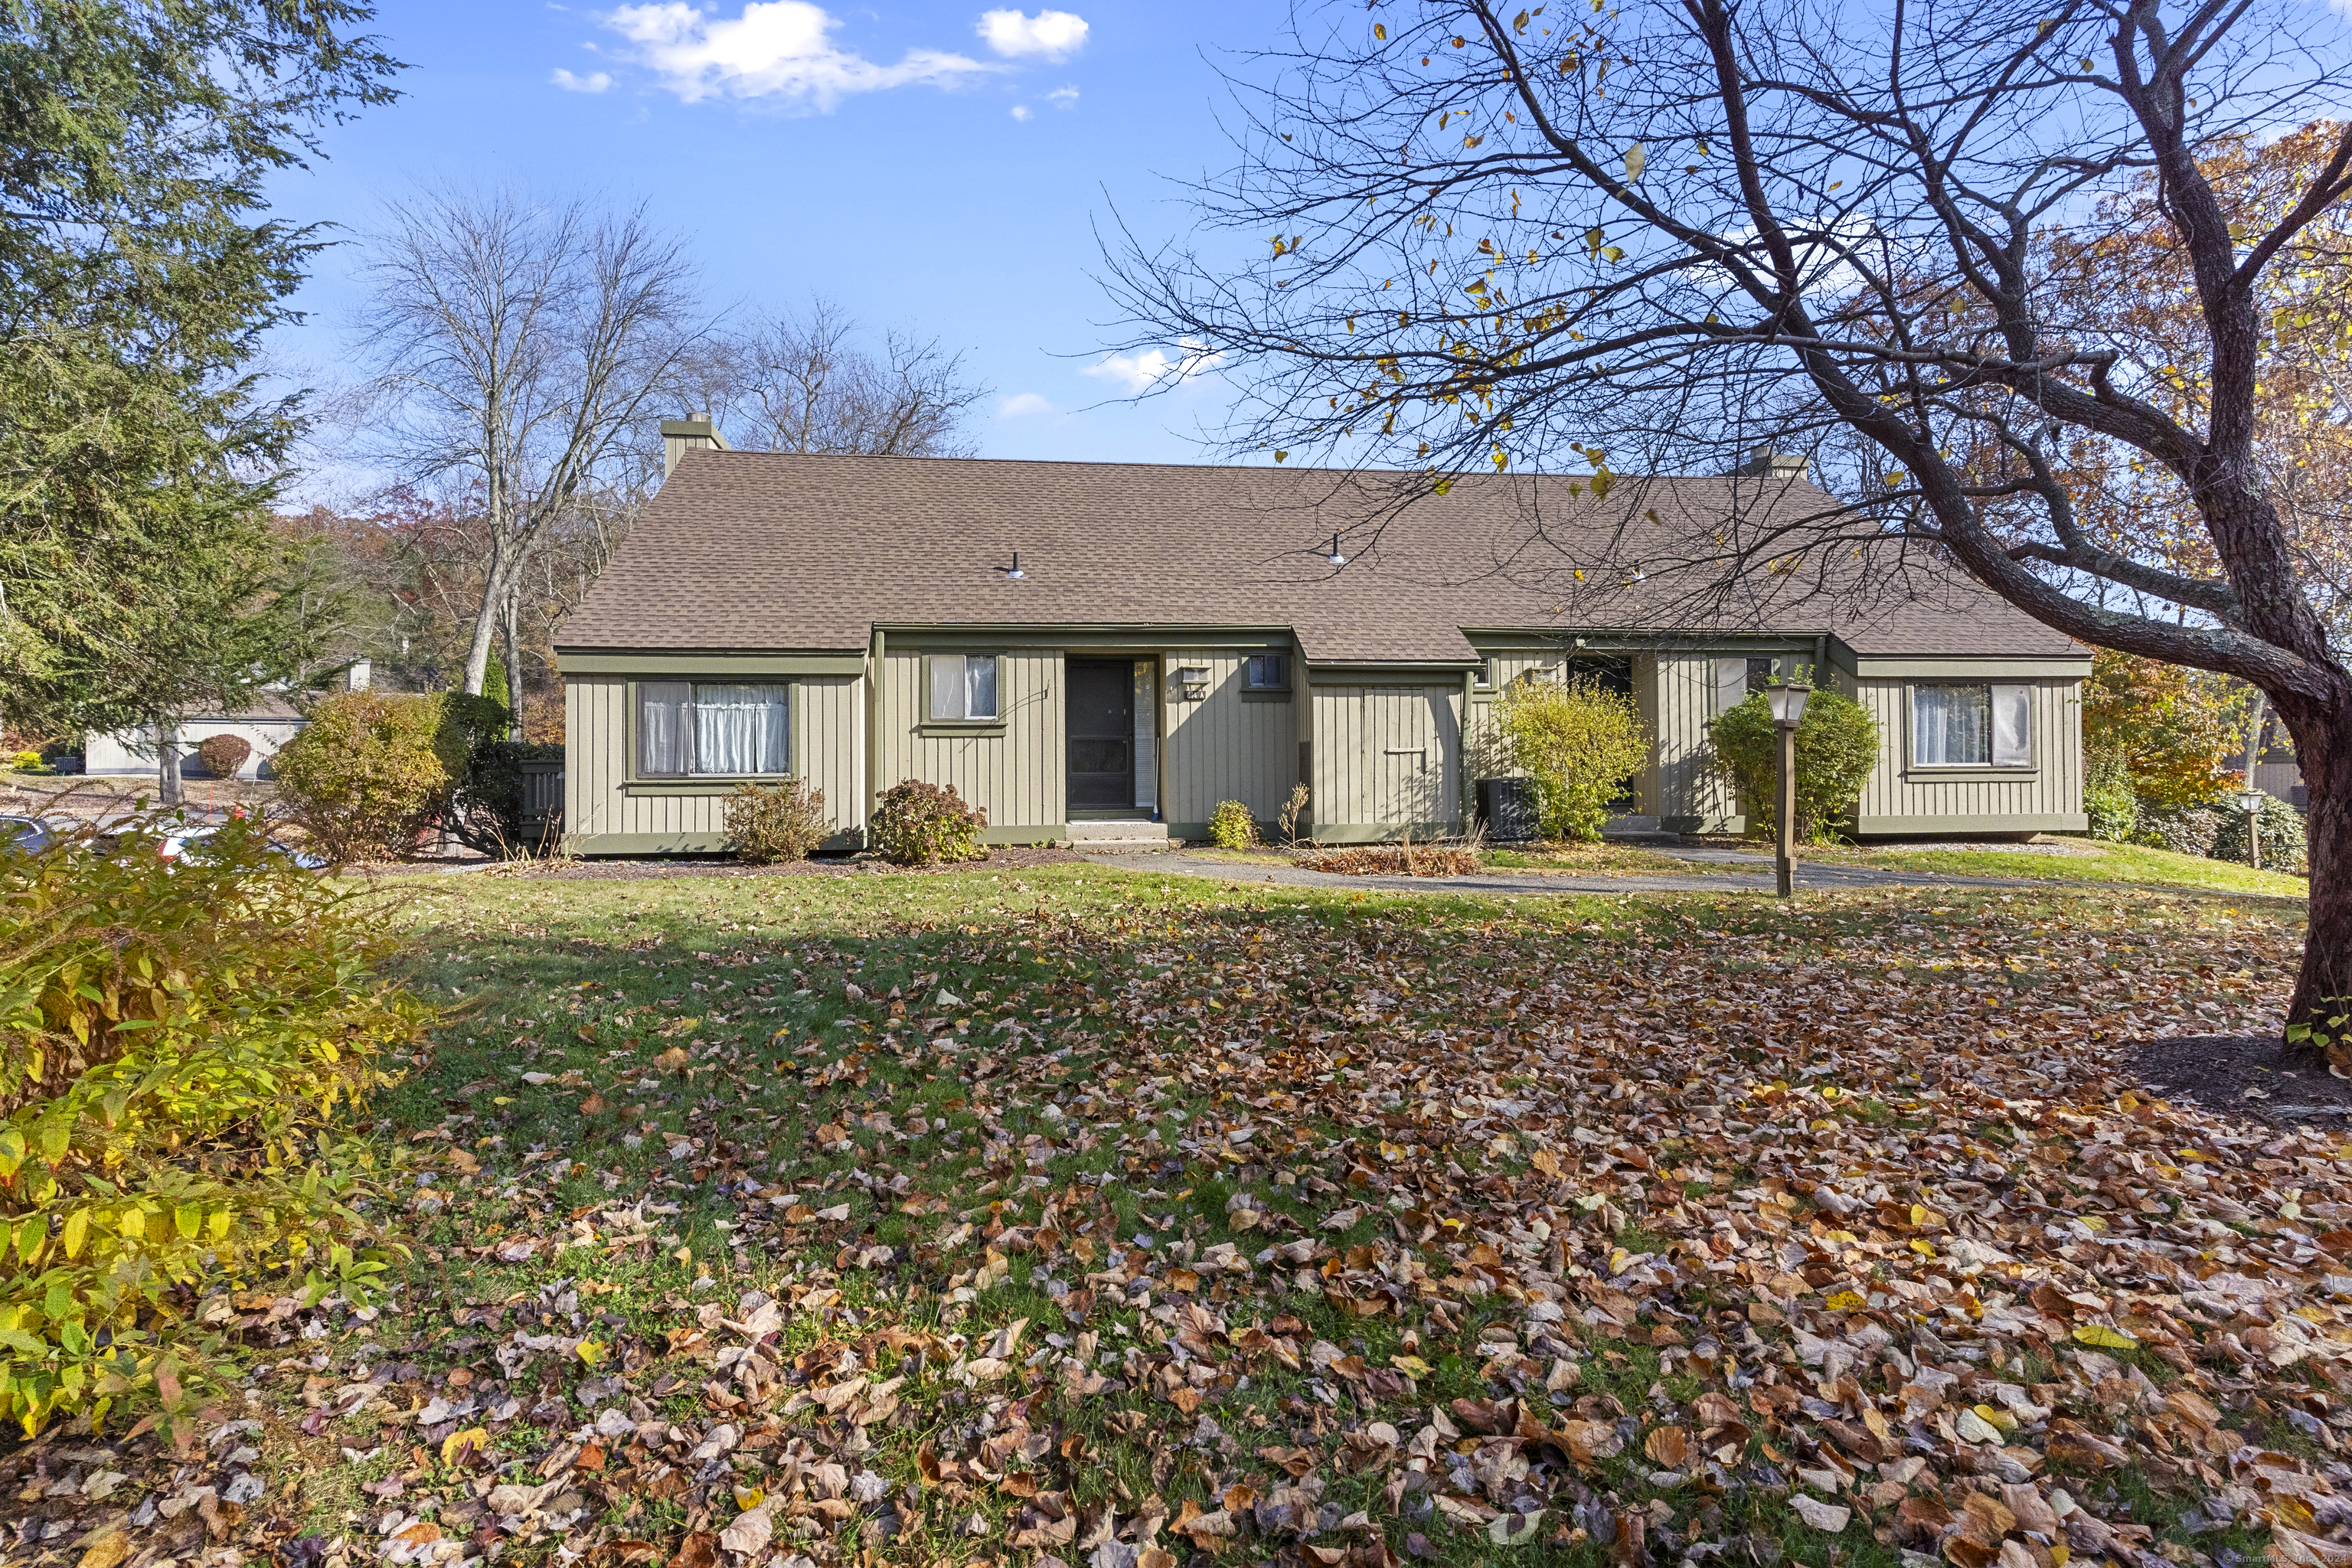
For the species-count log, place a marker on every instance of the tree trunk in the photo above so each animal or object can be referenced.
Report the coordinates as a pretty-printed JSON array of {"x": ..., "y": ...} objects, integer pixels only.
[
  {"x": 513, "y": 635},
  {"x": 2324, "y": 751},
  {"x": 169, "y": 789}
]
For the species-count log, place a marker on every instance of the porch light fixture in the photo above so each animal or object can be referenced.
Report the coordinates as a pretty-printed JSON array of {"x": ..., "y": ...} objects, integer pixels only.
[
  {"x": 2249, "y": 801},
  {"x": 1336, "y": 558},
  {"x": 1013, "y": 574},
  {"x": 1787, "y": 702}
]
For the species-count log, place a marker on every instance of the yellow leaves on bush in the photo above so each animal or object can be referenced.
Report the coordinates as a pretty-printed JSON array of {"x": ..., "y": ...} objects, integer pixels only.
[
  {"x": 1579, "y": 743},
  {"x": 177, "y": 1040}
]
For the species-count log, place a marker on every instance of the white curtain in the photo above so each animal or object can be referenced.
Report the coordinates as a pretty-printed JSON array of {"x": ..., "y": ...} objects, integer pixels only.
[
  {"x": 2012, "y": 726},
  {"x": 979, "y": 686},
  {"x": 741, "y": 729},
  {"x": 963, "y": 685},
  {"x": 1951, "y": 726},
  {"x": 661, "y": 728}
]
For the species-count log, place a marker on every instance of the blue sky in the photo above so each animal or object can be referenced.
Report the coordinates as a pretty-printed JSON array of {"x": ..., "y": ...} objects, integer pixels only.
[{"x": 938, "y": 167}]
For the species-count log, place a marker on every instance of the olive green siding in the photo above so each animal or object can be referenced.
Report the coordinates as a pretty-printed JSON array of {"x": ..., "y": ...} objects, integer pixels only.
[
  {"x": 1684, "y": 789},
  {"x": 2047, "y": 797},
  {"x": 1230, "y": 744},
  {"x": 1012, "y": 769},
  {"x": 603, "y": 812},
  {"x": 1386, "y": 758},
  {"x": 1391, "y": 751}
]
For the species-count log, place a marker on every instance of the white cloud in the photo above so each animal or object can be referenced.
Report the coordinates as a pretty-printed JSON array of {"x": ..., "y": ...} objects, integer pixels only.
[
  {"x": 594, "y": 81},
  {"x": 1022, "y": 403},
  {"x": 1142, "y": 373},
  {"x": 1062, "y": 97},
  {"x": 1020, "y": 111},
  {"x": 776, "y": 49},
  {"x": 1052, "y": 35}
]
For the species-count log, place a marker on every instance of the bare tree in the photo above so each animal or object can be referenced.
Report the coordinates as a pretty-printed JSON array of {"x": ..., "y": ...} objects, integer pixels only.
[
  {"x": 805, "y": 384},
  {"x": 519, "y": 347},
  {"x": 1677, "y": 228}
]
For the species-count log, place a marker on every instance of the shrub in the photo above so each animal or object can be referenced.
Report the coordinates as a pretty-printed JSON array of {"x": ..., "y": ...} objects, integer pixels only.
[
  {"x": 373, "y": 768},
  {"x": 223, "y": 756},
  {"x": 25, "y": 761},
  {"x": 2281, "y": 828},
  {"x": 918, "y": 824},
  {"x": 769, "y": 822},
  {"x": 2107, "y": 796},
  {"x": 179, "y": 1044},
  {"x": 2176, "y": 729},
  {"x": 1837, "y": 745},
  {"x": 1232, "y": 825},
  {"x": 1294, "y": 810},
  {"x": 487, "y": 812},
  {"x": 1580, "y": 743},
  {"x": 2183, "y": 829}
]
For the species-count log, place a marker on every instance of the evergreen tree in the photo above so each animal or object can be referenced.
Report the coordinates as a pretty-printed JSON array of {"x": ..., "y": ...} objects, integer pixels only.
[{"x": 139, "y": 571}]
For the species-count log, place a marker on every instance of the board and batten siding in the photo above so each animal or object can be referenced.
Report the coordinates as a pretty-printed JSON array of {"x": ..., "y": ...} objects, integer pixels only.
[
  {"x": 1016, "y": 774},
  {"x": 1685, "y": 788},
  {"x": 1387, "y": 760},
  {"x": 1226, "y": 746},
  {"x": 602, "y": 812},
  {"x": 2047, "y": 798}
]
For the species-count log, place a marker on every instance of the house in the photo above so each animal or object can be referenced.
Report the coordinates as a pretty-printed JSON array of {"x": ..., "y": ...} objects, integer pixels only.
[
  {"x": 1103, "y": 649},
  {"x": 264, "y": 724}
]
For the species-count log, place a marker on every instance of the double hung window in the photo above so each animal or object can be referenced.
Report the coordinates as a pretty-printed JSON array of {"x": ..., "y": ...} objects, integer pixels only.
[
  {"x": 1970, "y": 724},
  {"x": 963, "y": 685},
  {"x": 688, "y": 728}
]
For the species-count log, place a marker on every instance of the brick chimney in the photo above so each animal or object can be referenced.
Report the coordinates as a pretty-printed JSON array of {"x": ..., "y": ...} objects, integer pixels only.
[
  {"x": 693, "y": 433},
  {"x": 1763, "y": 463}
]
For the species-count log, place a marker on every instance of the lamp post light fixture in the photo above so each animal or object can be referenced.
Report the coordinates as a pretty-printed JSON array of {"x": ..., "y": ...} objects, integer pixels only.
[
  {"x": 2249, "y": 801},
  {"x": 1787, "y": 702}
]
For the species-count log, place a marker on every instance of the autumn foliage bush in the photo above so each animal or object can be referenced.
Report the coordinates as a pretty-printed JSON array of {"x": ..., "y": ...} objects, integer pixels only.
[
  {"x": 223, "y": 756},
  {"x": 771, "y": 823},
  {"x": 373, "y": 769},
  {"x": 180, "y": 1044},
  {"x": 918, "y": 824},
  {"x": 1580, "y": 743}
]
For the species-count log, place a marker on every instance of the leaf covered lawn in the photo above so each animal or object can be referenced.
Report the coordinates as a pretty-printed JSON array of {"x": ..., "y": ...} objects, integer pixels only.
[{"x": 1067, "y": 1217}]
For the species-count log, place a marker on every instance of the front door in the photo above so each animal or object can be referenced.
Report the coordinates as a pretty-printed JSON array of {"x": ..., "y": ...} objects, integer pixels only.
[{"x": 1101, "y": 725}]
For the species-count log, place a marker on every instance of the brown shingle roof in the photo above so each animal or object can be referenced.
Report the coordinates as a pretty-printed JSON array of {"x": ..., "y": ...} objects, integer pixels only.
[{"x": 760, "y": 550}]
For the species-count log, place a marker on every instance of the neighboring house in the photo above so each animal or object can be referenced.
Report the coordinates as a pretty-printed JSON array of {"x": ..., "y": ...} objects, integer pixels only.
[
  {"x": 1174, "y": 638},
  {"x": 266, "y": 725}
]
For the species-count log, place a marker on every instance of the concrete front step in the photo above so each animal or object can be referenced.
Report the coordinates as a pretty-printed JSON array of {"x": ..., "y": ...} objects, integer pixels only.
[
  {"x": 1632, "y": 829},
  {"x": 1121, "y": 834}
]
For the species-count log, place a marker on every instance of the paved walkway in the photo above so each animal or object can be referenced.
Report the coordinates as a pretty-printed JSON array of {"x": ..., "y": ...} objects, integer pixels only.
[{"x": 1744, "y": 872}]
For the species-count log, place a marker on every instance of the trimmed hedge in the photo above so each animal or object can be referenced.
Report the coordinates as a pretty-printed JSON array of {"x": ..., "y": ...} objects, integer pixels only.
[{"x": 1837, "y": 746}]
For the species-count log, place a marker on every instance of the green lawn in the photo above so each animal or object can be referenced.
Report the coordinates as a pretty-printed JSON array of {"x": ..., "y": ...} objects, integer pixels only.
[
  {"x": 2110, "y": 863},
  {"x": 1323, "y": 1226}
]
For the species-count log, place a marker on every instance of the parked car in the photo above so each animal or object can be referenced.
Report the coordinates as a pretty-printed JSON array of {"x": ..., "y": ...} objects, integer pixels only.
[
  {"x": 196, "y": 844},
  {"x": 28, "y": 835}
]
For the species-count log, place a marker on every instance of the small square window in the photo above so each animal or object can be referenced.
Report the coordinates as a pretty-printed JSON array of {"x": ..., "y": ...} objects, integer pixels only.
[
  {"x": 963, "y": 685},
  {"x": 1270, "y": 672}
]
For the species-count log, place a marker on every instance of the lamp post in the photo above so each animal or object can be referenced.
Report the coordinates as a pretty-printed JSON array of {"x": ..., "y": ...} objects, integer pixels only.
[
  {"x": 1787, "y": 704},
  {"x": 2249, "y": 801}
]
